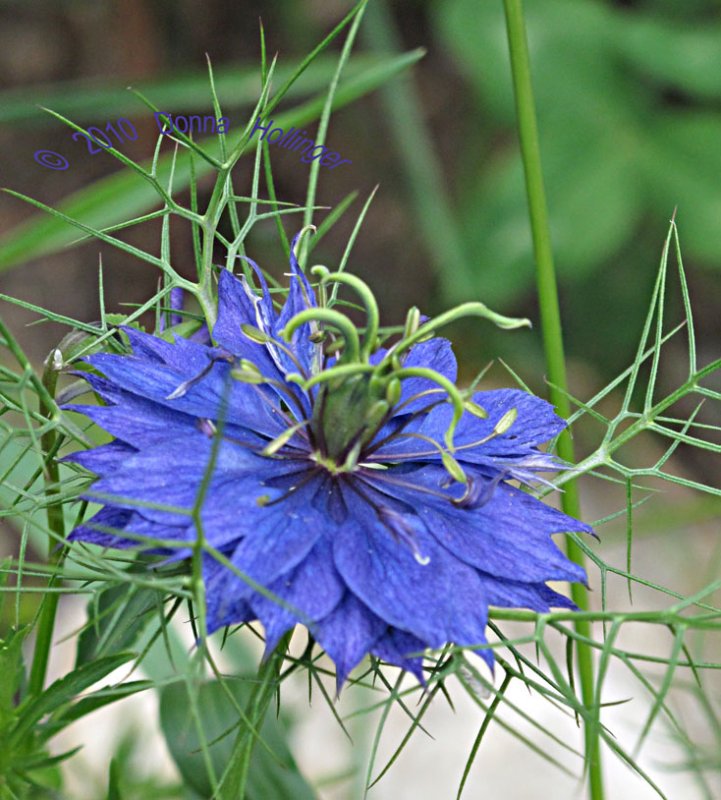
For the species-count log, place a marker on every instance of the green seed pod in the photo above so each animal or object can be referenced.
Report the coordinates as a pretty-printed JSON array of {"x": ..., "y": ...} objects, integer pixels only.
[{"x": 340, "y": 413}]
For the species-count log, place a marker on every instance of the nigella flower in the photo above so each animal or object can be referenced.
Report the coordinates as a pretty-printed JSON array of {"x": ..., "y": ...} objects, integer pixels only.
[{"x": 355, "y": 489}]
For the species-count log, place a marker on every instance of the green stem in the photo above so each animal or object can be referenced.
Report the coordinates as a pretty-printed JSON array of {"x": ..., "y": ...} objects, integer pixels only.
[
  {"x": 553, "y": 345},
  {"x": 56, "y": 524},
  {"x": 233, "y": 782},
  {"x": 643, "y": 423}
]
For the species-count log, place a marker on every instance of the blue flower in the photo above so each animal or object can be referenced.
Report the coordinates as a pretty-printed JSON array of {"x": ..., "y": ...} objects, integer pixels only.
[{"x": 344, "y": 478}]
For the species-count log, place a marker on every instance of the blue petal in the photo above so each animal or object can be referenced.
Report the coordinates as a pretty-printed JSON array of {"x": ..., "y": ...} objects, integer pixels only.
[
  {"x": 238, "y": 305},
  {"x": 108, "y": 517},
  {"x": 183, "y": 354},
  {"x": 171, "y": 474},
  {"x": 137, "y": 421},
  {"x": 215, "y": 395},
  {"x": 274, "y": 544},
  {"x": 106, "y": 529},
  {"x": 277, "y": 539},
  {"x": 514, "y": 594},
  {"x": 438, "y": 602},
  {"x": 436, "y": 354},
  {"x": 347, "y": 634},
  {"x": 102, "y": 459},
  {"x": 395, "y": 646},
  {"x": 142, "y": 423},
  {"x": 300, "y": 297},
  {"x": 508, "y": 537},
  {"x": 222, "y": 606},
  {"x": 313, "y": 587}
]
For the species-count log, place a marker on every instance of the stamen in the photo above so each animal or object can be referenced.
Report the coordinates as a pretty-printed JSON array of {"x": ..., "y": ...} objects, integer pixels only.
[
  {"x": 411, "y": 417},
  {"x": 207, "y": 426},
  {"x": 280, "y": 441},
  {"x": 309, "y": 475},
  {"x": 253, "y": 446},
  {"x": 413, "y": 320},
  {"x": 452, "y": 466},
  {"x": 263, "y": 337},
  {"x": 454, "y": 395},
  {"x": 456, "y": 449},
  {"x": 182, "y": 389},
  {"x": 267, "y": 400},
  {"x": 284, "y": 388},
  {"x": 385, "y": 478}
]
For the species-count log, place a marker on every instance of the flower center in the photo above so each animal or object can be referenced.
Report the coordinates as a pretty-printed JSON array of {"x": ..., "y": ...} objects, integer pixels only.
[
  {"x": 346, "y": 415},
  {"x": 330, "y": 465}
]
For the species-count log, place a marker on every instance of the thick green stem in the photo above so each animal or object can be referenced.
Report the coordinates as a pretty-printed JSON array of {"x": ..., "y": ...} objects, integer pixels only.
[
  {"x": 233, "y": 783},
  {"x": 56, "y": 524},
  {"x": 552, "y": 343}
]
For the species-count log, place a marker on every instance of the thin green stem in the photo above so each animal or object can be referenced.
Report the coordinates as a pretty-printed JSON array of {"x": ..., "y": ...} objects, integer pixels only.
[
  {"x": 643, "y": 423},
  {"x": 56, "y": 524},
  {"x": 553, "y": 345}
]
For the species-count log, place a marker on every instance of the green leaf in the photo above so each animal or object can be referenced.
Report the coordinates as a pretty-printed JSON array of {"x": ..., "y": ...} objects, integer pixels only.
[
  {"x": 683, "y": 162},
  {"x": 482, "y": 52},
  {"x": 118, "y": 616},
  {"x": 93, "y": 702},
  {"x": 606, "y": 188},
  {"x": 114, "y": 782},
  {"x": 12, "y": 672},
  {"x": 272, "y": 774},
  {"x": 91, "y": 101},
  {"x": 612, "y": 144},
  {"x": 680, "y": 55},
  {"x": 64, "y": 691}
]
